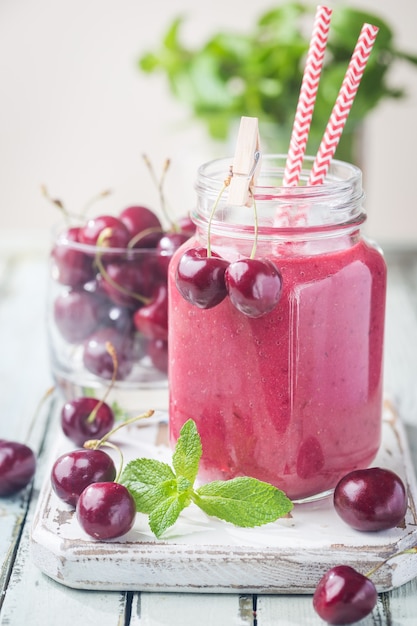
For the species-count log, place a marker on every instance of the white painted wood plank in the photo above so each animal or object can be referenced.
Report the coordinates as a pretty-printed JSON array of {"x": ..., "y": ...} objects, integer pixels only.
[
  {"x": 34, "y": 599},
  {"x": 13, "y": 509},
  {"x": 400, "y": 606},
  {"x": 24, "y": 364},
  {"x": 179, "y": 609},
  {"x": 200, "y": 554},
  {"x": 286, "y": 611}
]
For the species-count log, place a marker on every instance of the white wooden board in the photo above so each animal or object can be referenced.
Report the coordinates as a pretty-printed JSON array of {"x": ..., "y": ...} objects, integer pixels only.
[{"x": 201, "y": 554}]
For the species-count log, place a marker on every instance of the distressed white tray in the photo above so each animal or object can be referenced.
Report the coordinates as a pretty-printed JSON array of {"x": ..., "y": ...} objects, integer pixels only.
[{"x": 201, "y": 554}]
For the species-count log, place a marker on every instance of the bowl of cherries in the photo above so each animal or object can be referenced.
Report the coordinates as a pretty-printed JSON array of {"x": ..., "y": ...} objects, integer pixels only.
[{"x": 108, "y": 284}]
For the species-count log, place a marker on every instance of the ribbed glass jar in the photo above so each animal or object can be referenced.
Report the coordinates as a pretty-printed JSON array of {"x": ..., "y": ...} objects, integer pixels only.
[{"x": 293, "y": 397}]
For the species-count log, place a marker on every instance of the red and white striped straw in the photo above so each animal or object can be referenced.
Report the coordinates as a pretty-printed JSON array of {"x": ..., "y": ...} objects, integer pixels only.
[
  {"x": 307, "y": 97},
  {"x": 343, "y": 104}
]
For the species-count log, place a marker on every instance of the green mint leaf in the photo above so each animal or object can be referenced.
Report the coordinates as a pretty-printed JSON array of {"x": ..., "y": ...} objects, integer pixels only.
[
  {"x": 150, "y": 482},
  {"x": 167, "y": 513},
  {"x": 188, "y": 450},
  {"x": 243, "y": 501}
]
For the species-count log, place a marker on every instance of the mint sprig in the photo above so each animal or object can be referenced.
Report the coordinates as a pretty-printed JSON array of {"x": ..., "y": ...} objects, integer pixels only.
[{"x": 163, "y": 492}]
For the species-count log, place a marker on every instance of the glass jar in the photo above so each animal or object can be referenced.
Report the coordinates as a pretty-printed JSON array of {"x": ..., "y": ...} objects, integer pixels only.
[
  {"x": 94, "y": 298},
  {"x": 293, "y": 397}
]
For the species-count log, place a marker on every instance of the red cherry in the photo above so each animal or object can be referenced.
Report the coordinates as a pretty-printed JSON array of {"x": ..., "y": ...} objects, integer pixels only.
[
  {"x": 106, "y": 510},
  {"x": 186, "y": 226},
  {"x": 344, "y": 596},
  {"x": 124, "y": 283},
  {"x": 71, "y": 265},
  {"x": 152, "y": 319},
  {"x": 97, "y": 359},
  {"x": 73, "y": 471},
  {"x": 116, "y": 237},
  {"x": 129, "y": 282},
  {"x": 76, "y": 314},
  {"x": 157, "y": 351},
  {"x": 139, "y": 219},
  {"x": 76, "y": 419},
  {"x": 254, "y": 286},
  {"x": 200, "y": 279},
  {"x": 17, "y": 466},
  {"x": 371, "y": 499},
  {"x": 166, "y": 247}
]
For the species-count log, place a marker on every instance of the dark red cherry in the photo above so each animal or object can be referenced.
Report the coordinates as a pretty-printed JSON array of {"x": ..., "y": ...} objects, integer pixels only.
[
  {"x": 143, "y": 226},
  {"x": 77, "y": 314},
  {"x": 116, "y": 235},
  {"x": 344, "y": 596},
  {"x": 157, "y": 351},
  {"x": 152, "y": 319},
  {"x": 200, "y": 279},
  {"x": 73, "y": 471},
  {"x": 86, "y": 418},
  {"x": 254, "y": 286},
  {"x": 371, "y": 499},
  {"x": 166, "y": 247},
  {"x": 71, "y": 265},
  {"x": 119, "y": 318},
  {"x": 186, "y": 226},
  {"x": 125, "y": 283},
  {"x": 97, "y": 359},
  {"x": 17, "y": 466},
  {"x": 95, "y": 287},
  {"x": 106, "y": 510}
]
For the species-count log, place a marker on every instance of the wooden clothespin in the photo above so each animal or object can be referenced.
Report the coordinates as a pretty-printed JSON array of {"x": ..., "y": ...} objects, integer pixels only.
[{"x": 246, "y": 160}]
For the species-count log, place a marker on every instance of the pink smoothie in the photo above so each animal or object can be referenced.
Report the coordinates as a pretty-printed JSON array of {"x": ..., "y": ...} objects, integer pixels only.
[{"x": 292, "y": 398}]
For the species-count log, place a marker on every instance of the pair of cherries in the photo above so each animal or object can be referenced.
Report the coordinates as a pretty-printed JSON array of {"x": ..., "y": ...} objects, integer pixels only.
[
  {"x": 86, "y": 478},
  {"x": 205, "y": 279}
]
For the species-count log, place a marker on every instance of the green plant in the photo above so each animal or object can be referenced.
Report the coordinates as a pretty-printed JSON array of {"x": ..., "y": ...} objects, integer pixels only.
[{"x": 259, "y": 73}]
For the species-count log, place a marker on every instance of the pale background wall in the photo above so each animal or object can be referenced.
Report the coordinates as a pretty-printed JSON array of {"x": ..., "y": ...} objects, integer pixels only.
[{"x": 76, "y": 114}]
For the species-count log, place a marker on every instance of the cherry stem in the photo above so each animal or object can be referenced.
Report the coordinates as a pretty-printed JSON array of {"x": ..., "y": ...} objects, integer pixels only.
[
  {"x": 143, "y": 234},
  {"x": 99, "y": 196},
  {"x": 56, "y": 202},
  {"x": 372, "y": 571},
  {"x": 122, "y": 461},
  {"x": 160, "y": 187},
  {"x": 72, "y": 216},
  {"x": 111, "y": 350},
  {"x": 255, "y": 236},
  {"x": 101, "y": 243},
  {"x": 94, "y": 444},
  {"x": 213, "y": 211},
  {"x": 45, "y": 396}
]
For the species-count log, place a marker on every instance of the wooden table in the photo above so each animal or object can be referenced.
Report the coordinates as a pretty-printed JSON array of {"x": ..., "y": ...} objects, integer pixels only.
[{"x": 30, "y": 597}]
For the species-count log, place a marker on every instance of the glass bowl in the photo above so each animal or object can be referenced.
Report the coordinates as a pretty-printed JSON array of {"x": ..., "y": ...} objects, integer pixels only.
[{"x": 107, "y": 321}]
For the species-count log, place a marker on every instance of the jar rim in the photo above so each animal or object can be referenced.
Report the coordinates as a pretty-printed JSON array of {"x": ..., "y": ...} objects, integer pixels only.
[
  {"x": 338, "y": 202},
  {"x": 333, "y": 183}
]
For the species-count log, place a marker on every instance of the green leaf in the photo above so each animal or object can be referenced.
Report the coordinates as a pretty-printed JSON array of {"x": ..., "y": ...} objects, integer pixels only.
[
  {"x": 258, "y": 72},
  {"x": 162, "y": 494},
  {"x": 167, "y": 513},
  {"x": 243, "y": 501},
  {"x": 149, "y": 481},
  {"x": 188, "y": 450}
]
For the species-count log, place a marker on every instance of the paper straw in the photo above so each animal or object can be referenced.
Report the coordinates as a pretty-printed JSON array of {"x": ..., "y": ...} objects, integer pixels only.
[
  {"x": 343, "y": 104},
  {"x": 307, "y": 97}
]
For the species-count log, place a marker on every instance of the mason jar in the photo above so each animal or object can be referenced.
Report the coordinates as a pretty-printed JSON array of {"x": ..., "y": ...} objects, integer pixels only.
[{"x": 292, "y": 396}]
